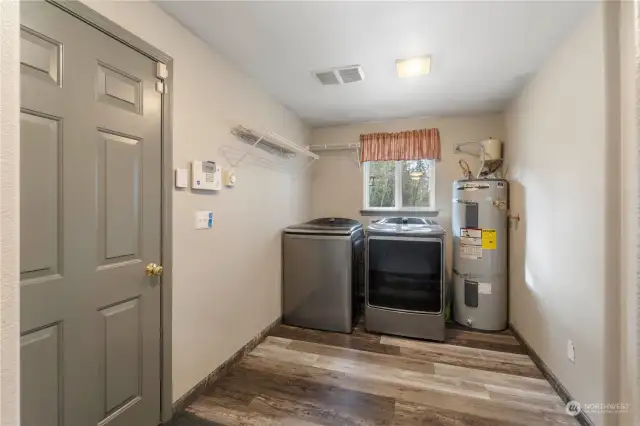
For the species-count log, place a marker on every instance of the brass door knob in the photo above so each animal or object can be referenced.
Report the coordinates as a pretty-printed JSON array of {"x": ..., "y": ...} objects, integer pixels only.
[{"x": 153, "y": 270}]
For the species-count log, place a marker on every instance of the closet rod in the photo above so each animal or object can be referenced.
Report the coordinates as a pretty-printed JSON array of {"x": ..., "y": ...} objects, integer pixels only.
[{"x": 334, "y": 147}]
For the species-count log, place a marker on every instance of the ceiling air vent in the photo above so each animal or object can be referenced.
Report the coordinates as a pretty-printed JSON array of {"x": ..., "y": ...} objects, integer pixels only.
[
  {"x": 351, "y": 75},
  {"x": 343, "y": 75},
  {"x": 327, "y": 78}
]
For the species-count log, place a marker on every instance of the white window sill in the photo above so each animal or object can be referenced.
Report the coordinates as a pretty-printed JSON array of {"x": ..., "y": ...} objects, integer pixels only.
[{"x": 402, "y": 212}]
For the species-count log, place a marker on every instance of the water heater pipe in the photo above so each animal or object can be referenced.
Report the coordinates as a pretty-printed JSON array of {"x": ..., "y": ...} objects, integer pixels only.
[{"x": 482, "y": 157}]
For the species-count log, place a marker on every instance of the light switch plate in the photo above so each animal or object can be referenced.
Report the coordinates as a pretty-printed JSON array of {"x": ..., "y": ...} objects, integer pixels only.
[
  {"x": 182, "y": 178},
  {"x": 204, "y": 219}
]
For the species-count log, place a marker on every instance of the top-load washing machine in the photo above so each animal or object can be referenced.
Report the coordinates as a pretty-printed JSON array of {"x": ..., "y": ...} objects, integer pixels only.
[
  {"x": 323, "y": 271},
  {"x": 405, "y": 278}
]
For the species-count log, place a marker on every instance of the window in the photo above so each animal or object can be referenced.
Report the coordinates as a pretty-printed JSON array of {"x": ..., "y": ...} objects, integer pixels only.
[{"x": 399, "y": 185}]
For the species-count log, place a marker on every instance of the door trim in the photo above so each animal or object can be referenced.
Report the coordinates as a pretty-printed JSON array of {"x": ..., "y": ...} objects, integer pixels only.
[{"x": 99, "y": 22}]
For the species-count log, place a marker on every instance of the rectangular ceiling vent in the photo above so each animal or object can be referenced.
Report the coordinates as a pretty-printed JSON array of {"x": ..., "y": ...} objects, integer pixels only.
[
  {"x": 344, "y": 75},
  {"x": 327, "y": 78}
]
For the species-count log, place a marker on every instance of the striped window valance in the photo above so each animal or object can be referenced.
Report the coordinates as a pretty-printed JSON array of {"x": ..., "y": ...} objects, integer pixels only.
[{"x": 422, "y": 144}]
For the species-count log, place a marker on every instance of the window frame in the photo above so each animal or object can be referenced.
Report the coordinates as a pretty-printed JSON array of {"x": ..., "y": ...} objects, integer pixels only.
[{"x": 397, "y": 195}]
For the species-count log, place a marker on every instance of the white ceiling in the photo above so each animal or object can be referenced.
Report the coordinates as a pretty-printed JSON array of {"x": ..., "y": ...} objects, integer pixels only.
[{"x": 482, "y": 52}]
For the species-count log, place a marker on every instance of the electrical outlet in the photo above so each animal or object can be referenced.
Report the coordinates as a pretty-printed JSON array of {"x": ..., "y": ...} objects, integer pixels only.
[{"x": 571, "y": 351}]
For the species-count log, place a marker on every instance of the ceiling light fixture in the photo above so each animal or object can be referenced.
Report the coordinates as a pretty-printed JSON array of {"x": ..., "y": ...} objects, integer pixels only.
[{"x": 413, "y": 67}]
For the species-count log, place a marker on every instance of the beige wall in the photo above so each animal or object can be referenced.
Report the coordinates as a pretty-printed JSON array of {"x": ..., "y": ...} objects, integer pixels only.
[
  {"x": 629, "y": 260},
  {"x": 9, "y": 214},
  {"x": 562, "y": 153},
  {"x": 337, "y": 186},
  {"x": 226, "y": 281}
]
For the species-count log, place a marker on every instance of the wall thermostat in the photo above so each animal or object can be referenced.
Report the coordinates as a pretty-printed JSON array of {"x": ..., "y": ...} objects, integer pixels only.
[
  {"x": 206, "y": 175},
  {"x": 229, "y": 178}
]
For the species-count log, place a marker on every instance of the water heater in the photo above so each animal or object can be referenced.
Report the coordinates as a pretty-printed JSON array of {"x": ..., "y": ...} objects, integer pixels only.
[{"x": 480, "y": 226}]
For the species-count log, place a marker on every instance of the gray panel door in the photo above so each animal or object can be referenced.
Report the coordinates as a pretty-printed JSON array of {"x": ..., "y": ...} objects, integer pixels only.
[{"x": 90, "y": 223}]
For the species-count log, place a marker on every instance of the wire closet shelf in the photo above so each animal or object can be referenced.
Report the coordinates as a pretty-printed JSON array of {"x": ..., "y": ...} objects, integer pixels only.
[
  {"x": 270, "y": 142},
  {"x": 273, "y": 144},
  {"x": 339, "y": 147}
]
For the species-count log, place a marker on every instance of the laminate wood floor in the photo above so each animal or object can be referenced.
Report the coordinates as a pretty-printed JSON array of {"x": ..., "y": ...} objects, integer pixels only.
[{"x": 305, "y": 377}]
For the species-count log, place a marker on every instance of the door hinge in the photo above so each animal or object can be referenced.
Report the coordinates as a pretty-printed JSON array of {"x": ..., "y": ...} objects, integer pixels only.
[
  {"x": 161, "y": 71},
  {"x": 161, "y": 87}
]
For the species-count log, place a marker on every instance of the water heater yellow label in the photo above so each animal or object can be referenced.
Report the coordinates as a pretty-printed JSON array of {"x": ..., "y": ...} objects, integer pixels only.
[{"x": 489, "y": 239}]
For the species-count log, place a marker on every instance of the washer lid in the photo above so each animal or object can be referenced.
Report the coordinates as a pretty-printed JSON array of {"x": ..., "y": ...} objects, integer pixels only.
[
  {"x": 406, "y": 225},
  {"x": 326, "y": 225}
]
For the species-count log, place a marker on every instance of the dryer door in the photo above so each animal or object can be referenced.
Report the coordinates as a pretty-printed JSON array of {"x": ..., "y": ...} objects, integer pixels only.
[{"x": 405, "y": 274}]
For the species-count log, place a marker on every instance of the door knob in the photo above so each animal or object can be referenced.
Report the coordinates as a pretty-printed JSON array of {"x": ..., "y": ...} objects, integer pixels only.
[{"x": 153, "y": 270}]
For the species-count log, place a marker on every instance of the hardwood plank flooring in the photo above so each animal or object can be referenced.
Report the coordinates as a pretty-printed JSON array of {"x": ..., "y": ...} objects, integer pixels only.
[{"x": 300, "y": 377}]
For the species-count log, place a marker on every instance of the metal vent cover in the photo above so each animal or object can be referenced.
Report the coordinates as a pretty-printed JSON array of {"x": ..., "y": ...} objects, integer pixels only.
[
  {"x": 327, "y": 78},
  {"x": 342, "y": 75},
  {"x": 351, "y": 75}
]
